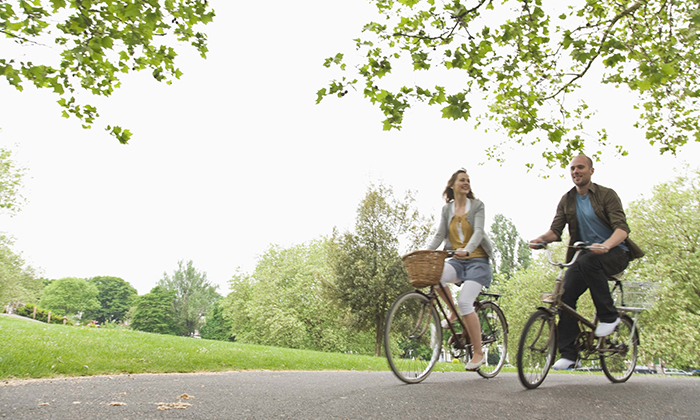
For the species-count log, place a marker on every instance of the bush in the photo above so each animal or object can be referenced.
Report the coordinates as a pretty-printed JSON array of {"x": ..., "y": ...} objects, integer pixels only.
[
  {"x": 41, "y": 314},
  {"x": 216, "y": 327},
  {"x": 113, "y": 325}
]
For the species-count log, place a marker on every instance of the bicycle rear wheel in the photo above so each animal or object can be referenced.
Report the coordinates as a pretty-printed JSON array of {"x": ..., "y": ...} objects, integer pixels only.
[
  {"x": 536, "y": 349},
  {"x": 494, "y": 333},
  {"x": 619, "y": 361},
  {"x": 412, "y": 337}
]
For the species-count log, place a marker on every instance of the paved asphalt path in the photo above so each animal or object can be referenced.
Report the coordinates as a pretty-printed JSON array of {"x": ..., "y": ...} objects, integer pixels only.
[{"x": 347, "y": 395}]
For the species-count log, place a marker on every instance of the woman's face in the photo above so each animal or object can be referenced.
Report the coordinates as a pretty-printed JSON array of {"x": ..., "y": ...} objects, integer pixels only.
[{"x": 462, "y": 185}]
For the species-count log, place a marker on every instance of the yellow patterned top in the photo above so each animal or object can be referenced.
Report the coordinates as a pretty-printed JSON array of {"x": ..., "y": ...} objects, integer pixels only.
[{"x": 461, "y": 223}]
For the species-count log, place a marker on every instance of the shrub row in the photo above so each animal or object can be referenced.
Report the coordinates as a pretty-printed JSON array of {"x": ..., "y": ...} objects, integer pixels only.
[{"x": 41, "y": 314}]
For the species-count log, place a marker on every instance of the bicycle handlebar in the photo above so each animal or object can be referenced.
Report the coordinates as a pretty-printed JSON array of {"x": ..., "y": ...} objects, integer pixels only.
[{"x": 578, "y": 246}]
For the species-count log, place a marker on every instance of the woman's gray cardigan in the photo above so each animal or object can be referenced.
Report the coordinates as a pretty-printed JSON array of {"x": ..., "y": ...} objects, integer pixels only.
[{"x": 476, "y": 218}]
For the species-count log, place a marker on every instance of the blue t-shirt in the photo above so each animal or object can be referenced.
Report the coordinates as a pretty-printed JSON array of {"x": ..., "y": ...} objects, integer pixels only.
[{"x": 591, "y": 229}]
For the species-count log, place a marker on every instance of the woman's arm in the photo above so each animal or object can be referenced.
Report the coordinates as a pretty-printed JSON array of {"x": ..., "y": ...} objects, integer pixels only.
[{"x": 479, "y": 213}]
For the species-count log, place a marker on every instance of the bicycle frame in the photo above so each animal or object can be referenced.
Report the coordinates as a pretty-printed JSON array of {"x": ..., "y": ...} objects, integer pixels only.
[
  {"x": 451, "y": 306},
  {"x": 617, "y": 352},
  {"x": 557, "y": 306},
  {"x": 463, "y": 339}
]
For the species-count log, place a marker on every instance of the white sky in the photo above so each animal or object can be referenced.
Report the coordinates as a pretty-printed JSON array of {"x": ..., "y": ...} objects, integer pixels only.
[{"x": 236, "y": 156}]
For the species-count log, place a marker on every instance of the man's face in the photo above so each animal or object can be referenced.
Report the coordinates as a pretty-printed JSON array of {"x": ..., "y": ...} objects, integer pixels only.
[{"x": 581, "y": 171}]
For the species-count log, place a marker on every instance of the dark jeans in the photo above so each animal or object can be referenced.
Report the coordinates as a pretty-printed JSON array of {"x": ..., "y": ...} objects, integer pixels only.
[{"x": 590, "y": 271}]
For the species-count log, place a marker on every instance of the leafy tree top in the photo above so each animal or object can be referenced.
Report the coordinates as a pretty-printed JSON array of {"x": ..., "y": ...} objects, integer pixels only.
[
  {"x": 115, "y": 296},
  {"x": 96, "y": 40},
  {"x": 528, "y": 60},
  {"x": 193, "y": 295},
  {"x": 11, "y": 176},
  {"x": 70, "y": 295}
]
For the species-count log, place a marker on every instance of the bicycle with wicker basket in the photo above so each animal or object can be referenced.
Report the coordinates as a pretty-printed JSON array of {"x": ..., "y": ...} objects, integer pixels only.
[
  {"x": 617, "y": 352},
  {"x": 413, "y": 335}
]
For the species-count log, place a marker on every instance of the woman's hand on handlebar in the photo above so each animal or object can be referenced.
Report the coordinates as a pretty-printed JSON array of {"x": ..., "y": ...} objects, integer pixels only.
[{"x": 461, "y": 252}]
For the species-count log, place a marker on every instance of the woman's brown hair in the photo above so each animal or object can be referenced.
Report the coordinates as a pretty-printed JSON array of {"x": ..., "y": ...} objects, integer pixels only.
[{"x": 449, "y": 193}]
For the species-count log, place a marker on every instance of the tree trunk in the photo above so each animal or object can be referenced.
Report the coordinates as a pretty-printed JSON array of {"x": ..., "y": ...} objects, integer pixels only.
[{"x": 378, "y": 338}]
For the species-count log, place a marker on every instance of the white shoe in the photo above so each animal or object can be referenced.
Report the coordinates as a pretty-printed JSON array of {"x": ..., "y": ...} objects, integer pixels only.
[
  {"x": 475, "y": 365},
  {"x": 445, "y": 325},
  {"x": 604, "y": 329},
  {"x": 564, "y": 364}
]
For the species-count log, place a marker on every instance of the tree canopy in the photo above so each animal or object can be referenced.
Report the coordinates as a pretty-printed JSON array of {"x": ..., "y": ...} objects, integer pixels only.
[
  {"x": 11, "y": 176},
  {"x": 511, "y": 251},
  {"x": 87, "y": 44},
  {"x": 285, "y": 303},
  {"x": 530, "y": 63},
  {"x": 667, "y": 227},
  {"x": 154, "y": 312},
  {"x": 18, "y": 281},
  {"x": 115, "y": 296},
  {"x": 194, "y": 295},
  {"x": 70, "y": 295},
  {"x": 369, "y": 273},
  {"x": 216, "y": 326}
]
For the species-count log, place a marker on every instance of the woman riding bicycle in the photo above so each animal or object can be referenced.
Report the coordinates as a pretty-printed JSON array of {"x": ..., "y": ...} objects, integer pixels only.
[{"x": 462, "y": 229}]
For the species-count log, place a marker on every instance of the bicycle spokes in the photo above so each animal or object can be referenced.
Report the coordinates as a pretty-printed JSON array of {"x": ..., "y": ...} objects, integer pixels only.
[
  {"x": 618, "y": 353},
  {"x": 536, "y": 349}
]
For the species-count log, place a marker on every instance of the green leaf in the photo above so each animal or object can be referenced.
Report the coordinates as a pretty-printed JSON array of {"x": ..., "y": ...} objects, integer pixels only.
[
  {"x": 668, "y": 69},
  {"x": 320, "y": 95}
]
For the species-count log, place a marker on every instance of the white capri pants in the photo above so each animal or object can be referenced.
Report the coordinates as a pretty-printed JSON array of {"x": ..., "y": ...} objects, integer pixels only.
[{"x": 467, "y": 294}]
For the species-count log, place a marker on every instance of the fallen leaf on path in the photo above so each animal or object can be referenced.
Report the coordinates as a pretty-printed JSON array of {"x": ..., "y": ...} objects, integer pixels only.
[{"x": 177, "y": 406}]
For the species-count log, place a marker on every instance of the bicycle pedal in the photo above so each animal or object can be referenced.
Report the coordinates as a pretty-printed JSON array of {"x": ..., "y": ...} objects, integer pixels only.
[
  {"x": 457, "y": 338},
  {"x": 547, "y": 298}
]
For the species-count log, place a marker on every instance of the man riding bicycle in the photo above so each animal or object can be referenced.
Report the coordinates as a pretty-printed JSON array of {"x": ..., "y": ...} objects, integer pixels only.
[{"x": 594, "y": 215}]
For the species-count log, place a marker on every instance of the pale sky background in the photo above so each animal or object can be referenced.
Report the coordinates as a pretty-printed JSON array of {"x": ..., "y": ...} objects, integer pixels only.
[{"x": 236, "y": 156}]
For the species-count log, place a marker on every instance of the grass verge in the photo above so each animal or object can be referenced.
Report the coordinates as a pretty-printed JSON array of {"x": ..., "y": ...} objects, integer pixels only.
[{"x": 30, "y": 349}]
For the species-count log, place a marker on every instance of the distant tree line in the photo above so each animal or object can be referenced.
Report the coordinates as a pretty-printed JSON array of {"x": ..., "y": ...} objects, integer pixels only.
[
  {"x": 332, "y": 293},
  {"x": 178, "y": 305}
]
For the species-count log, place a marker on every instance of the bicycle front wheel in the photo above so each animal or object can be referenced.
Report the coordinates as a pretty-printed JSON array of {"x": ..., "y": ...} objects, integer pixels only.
[
  {"x": 494, "y": 333},
  {"x": 412, "y": 337},
  {"x": 619, "y": 356},
  {"x": 536, "y": 349}
]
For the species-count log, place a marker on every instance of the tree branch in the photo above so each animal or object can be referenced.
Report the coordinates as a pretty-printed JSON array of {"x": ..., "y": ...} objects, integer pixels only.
[
  {"x": 21, "y": 38},
  {"x": 578, "y": 76}
]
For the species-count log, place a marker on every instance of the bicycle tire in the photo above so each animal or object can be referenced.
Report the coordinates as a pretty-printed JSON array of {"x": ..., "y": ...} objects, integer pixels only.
[
  {"x": 536, "y": 349},
  {"x": 619, "y": 365},
  {"x": 412, "y": 337},
  {"x": 494, "y": 333}
]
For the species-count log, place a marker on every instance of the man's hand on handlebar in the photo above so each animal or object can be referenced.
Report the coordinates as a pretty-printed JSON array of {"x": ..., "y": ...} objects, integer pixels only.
[
  {"x": 599, "y": 249},
  {"x": 537, "y": 244}
]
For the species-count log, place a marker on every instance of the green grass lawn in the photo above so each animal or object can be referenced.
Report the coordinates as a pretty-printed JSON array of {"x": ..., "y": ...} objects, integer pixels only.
[{"x": 31, "y": 349}]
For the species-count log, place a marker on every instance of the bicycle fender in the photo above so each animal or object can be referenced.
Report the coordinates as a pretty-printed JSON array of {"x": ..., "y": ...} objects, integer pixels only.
[
  {"x": 547, "y": 309},
  {"x": 500, "y": 309},
  {"x": 636, "y": 329}
]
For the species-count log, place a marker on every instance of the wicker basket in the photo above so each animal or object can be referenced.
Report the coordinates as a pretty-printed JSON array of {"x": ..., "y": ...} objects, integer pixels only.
[{"x": 424, "y": 267}]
